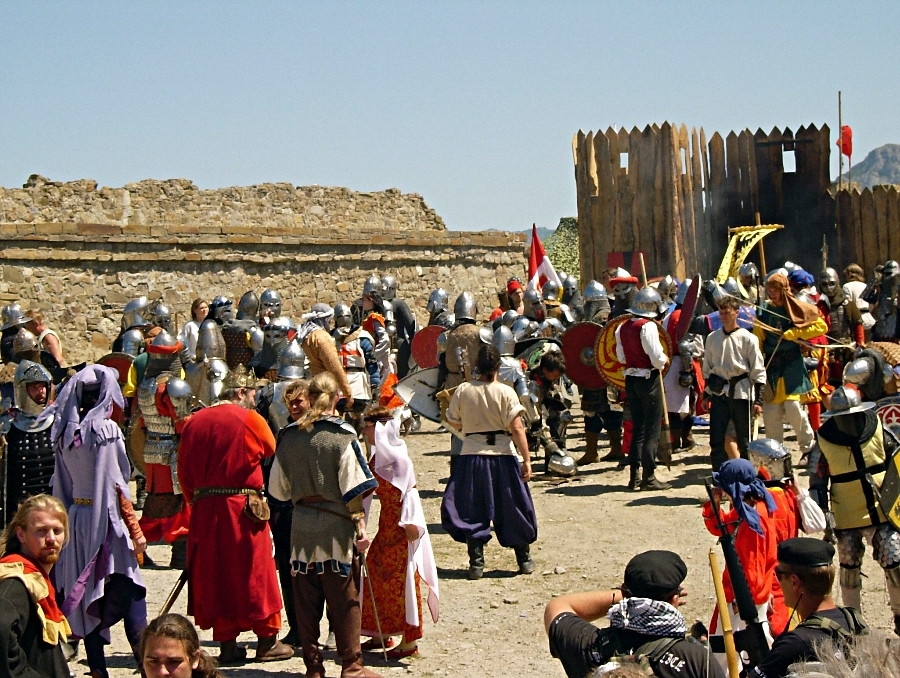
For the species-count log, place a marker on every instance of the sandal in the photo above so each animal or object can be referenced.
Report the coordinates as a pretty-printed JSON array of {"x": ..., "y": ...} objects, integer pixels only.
[
  {"x": 398, "y": 653},
  {"x": 374, "y": 644}
]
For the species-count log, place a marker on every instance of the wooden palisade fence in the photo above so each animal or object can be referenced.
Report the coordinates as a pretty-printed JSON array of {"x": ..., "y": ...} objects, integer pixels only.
[{"x": 868, "y": 226}]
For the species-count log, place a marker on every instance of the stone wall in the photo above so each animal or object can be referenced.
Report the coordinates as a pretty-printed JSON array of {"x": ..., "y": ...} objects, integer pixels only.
[{"x": 78, "y": 253}]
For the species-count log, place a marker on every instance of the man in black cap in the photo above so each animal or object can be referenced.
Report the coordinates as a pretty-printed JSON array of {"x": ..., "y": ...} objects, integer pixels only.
[
  {"x": 645, "y": 624},
  {"x": 805, "y": 572}
]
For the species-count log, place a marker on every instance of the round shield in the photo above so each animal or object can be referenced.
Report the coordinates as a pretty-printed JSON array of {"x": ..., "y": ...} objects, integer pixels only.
[
  {"x": 424, "y": 346},
  {"x": 579, "y": 344},
  {"x": 120, "y": 362},
  {"x": 605, "y": 353},
  {"x": 889, "y": 413}
]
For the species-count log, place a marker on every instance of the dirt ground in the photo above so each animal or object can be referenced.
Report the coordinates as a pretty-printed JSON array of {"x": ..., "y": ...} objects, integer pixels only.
[{"x": 589, "y": 527}]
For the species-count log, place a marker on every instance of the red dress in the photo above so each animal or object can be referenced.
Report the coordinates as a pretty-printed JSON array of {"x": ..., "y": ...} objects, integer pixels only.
[
  {"x": 386, "y": 561},
  {"x": 233, "y": 586}
]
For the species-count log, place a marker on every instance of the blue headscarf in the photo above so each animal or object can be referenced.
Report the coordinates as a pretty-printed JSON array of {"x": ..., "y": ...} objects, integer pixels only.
[{"x": 738, "y": 478}]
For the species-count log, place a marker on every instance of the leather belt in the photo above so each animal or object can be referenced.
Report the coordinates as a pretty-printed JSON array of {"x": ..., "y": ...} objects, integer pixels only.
[
  {"x": 858, "y": 475},
  {"x": 201, "y": 492},
  {"x": 83, "y": 502},
  {"x": 490, "y": 437}
]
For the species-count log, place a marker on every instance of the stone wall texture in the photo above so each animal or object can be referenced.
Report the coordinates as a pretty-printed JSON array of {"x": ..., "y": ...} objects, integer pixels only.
[{"x": 78, "y": 253}]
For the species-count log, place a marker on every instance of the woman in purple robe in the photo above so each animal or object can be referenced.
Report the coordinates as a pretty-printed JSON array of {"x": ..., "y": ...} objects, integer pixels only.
[{"x": 97, "y": 576}]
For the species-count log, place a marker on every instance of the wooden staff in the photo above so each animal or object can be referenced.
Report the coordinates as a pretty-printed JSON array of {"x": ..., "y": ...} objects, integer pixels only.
[
  {"x": 665, "y": 450},
  {"x": 173, "y": 596},
  {"x": 724, "y": 618}
]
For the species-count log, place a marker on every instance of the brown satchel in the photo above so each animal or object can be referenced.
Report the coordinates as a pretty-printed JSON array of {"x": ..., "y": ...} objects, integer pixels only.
[{"x": 257, "y": 508}]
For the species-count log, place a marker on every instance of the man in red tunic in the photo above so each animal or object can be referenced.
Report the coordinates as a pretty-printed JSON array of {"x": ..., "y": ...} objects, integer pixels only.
[{"x": 232, "y": 585}]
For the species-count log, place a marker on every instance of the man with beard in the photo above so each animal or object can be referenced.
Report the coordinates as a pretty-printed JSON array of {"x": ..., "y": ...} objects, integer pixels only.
[
  {"x": 31, "y": 624},
  {"x": 219, "y": 467}
]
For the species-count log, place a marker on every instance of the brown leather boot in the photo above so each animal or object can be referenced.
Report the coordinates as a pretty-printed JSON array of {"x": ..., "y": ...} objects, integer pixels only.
[
  {"x": 355, "y": 669},
  {"x": 590, "y": 450},
  {"x": 615, "y": 447},
  {"x": 312, "y": 658},
  {"x": 270, "y": 649},
  {"x": 231, "y": 653}
]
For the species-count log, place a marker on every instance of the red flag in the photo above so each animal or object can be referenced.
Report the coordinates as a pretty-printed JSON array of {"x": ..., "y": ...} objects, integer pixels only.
[
  {"x": 540, "y": 270},
  {"x": 845, "y": 142}
]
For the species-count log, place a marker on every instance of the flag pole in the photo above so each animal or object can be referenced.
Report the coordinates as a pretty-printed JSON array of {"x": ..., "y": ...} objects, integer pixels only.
[{"x": 840, "y": 145}]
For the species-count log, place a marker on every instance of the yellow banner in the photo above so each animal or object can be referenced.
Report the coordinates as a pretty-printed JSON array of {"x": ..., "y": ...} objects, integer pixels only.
[{"x": 743, "y": 239}]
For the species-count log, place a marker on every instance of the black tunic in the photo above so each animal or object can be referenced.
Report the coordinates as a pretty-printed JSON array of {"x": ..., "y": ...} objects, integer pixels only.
[{"x": 23, "y": 651}]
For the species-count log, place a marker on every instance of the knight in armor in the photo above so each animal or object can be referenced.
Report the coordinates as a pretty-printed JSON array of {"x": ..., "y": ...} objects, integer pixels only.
[
  {"x": 555, "y": 310},
  {"x": 209, "y": 359},
  {"x": 221, "y": 309},
  {"x": 270, "y": 401},
  {"x": 265, "y": 362},
  {"x": 27, "y": 462},
  {"x": 667, "y": 288},
  {"x": 438, "y": 312},
  {"x": 748, "y": 277},
  {"x": 882, "y": 296},
  {"x": 639, "y": 348},
  {"x": 624, "y": 287},
  {"x": 681, "y": 385},
  {"x": 13, "y": 319},
  {"x": 873, "y": 372},
  {"x": 161, "y": 316},
  {"x": 243, "y": 336},
  {"x": 845, "y": 323},
  {"x": 552, "y": 404},
  {"x": 534, "y": 306},
  {"x": 373, "y": 322},
  {"x": 602, "y": 407},
  {"x": 572, "y": 297},
  {"x": 458, "y": 347},
  {"x": 405, "y": 323},
  {"x": 356, "y": 348},
  {"x": 165, "y": 402},
  {"x": 847, "y": 477},
  {"x": 135, "y": 316}
]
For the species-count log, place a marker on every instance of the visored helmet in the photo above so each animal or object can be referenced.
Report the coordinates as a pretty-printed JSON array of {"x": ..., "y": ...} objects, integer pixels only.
[
  {"x": 133, "y": 315},
  {"x": 508, "y": 318},
  {"x": 220, "y": 309},
  {"x": 550, "y": 291},
  {"x": 504, "y": 341},
  {"x": 291, "y": 362},
  {"x": 133, "y": 342},
  {"x": 570, "y": 284},
  {"x": 769, "y": 454},
  {"x": 522, "y": 328},
  {"x": 646, "y": 303},
  {"x": 828, "y": 282},
  {"x": 162, "y": 317},
  {"x": 248, "y": 306},
  {"x": 29, "y": 372},
  {"x": 465, "y": 307},
  {"x": 276, "y": 331},
  {"x": 389, "y": 287},
  {"x": 343, "y": 316},
  {"x": 270, "y": 304},
  {"x": 437, "y": 301},
  {"x": 532, "y": 305}
]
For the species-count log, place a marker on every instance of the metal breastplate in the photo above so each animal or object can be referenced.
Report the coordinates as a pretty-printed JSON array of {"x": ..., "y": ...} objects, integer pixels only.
[
  {"x": 840, "y": 328},
  {"x": 279, "y": 415},
  {"x": 29, "y": 465},
  {"x": 161, "y": 442}
]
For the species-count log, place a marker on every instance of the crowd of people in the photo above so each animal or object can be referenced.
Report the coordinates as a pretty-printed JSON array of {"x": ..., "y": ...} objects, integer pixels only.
[{"x": 275, "y": 433}]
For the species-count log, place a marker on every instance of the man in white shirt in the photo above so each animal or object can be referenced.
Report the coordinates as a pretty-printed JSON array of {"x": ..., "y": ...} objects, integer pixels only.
[{"x": 639, "y": 348}]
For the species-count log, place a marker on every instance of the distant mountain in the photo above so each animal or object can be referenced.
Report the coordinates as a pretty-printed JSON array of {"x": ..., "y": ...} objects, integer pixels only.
[{"x": 881, "y": 166}]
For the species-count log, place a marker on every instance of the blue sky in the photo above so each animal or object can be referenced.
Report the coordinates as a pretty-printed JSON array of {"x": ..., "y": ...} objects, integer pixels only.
[{"x": 471, "y": 104}]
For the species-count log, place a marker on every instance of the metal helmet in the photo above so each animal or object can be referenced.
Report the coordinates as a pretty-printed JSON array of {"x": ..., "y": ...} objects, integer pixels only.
[
  {"x": 828, "y": 282},
  {"x": 859, "y": 371},
  {"x": 681, "y": 294},
  {"x": 276, "y": 331},
  {"x": 164, "y": 355},
  {"x": 562, "y": 464},
  {"x": 133, "y": 342},
  {"x": 216, "y": 372},
  {"x": 783, "y": 271},
  {"x": 270, "y": 304},
  {"x": 570, "y": 284},
  {"x": 291, "y": 362},
  {"x": 162, "y": 317},
  {"x": 550, "y": 291},
  {"x": 437, "y": 301},
  {"x": 594, "y": 291},
  {"x": 389, "y": 288},
  {"x": 25, "y": 345},
  {"x": 891, "y": 268},
  {"x": 562, "y": 275},
  {"x": 465, "y": 307},
  {"x": 790, "y": 267},
  {"x": 748, "y": 274},
  {"x": 12, "y": 315},
  {"x": 646, "y": 303},
  {"x": 522, "y": 328},
  {"x": 220, "y": 309},
  {"x": 667, "y": 287},
  {"x": 769, "y": 454},
  {"x": 621, "y": 290},
  {"x": 551, "y": 327},
  {"x": 343, "y": 315},
  {"x": 508, "y": 318},
  {"x": 248, "y": 306},
  {"x": 134, "y": 312},
  {"x": 846, "y": 400},
  {"x": 29, "y": 372},
  {"x": 179, "y": 392},
  {"x": 532, "y": 304},
  {"x": 731, "y": 287},
  {"x": 372, "y": 285},
  {"x": 210, "y": 342},
  {"x": 504, "y": 341}
]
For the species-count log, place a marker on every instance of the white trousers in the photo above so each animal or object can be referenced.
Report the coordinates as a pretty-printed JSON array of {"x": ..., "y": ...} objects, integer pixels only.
[{"x": 793, "y": 413}]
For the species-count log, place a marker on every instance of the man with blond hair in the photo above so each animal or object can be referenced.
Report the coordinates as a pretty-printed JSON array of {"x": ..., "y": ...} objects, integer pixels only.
[
  {"x": 31, "y": 624},
  {"x": 48, "y": 340}
]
